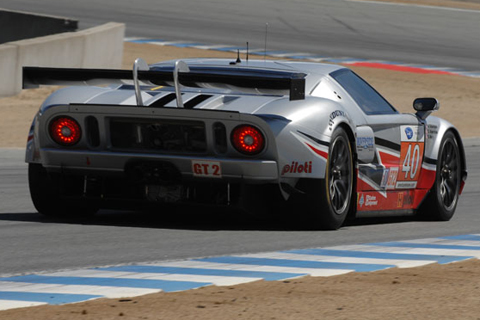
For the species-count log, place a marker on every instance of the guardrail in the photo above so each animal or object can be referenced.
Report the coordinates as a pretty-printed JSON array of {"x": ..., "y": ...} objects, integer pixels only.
[{"x": 98, "y": 47}]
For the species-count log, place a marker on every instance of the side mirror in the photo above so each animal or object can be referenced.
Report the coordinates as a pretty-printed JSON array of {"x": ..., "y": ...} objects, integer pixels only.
[{"x": 425, "y": 106}]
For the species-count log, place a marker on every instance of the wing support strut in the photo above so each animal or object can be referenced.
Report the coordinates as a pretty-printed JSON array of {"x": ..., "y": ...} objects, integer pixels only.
[
  {"x": 139, "y": 65},
  {"x": 180, "y": 66}
]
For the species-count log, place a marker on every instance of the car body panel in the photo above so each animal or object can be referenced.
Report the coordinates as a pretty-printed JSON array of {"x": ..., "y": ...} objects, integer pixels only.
[{"x": 395, "y": 154}]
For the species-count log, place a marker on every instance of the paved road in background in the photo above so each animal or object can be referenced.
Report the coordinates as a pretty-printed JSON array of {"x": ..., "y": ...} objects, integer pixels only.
[
  {"x": 434, "y": 36},
  {"x": 31, "y": 242}
]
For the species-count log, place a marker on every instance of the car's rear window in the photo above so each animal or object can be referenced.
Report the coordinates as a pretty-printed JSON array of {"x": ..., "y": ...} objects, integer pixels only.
[{"x": 367, "y": 98}]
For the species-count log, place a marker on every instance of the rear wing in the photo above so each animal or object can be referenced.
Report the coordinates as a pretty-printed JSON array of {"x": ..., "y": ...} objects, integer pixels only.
[{"x": 234, "y": 78}]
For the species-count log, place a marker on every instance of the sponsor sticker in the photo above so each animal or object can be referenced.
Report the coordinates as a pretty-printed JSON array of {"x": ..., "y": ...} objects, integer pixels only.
[
  {"x": 389, "y": 178},
  {"x": 432, "y": 131},
  {"x": 409, "y": 133},
  {"x": 206, "y": 169},
  {"x": 412, "y": 133},
  {"x": 361, "y": 201},
  {"x": 408, "y": 199},
  {"x": 367, "y": 200},
  {"x": 297, "y": 167},
  {"x": 365, "y": 142},
  {"x": 371, "y": 201},
  {"x": 400, "y": 200},
  {"x": 405, "y": 200},
  {"x": 406, "y": 184},
  {"x": 333, "y": 115}
]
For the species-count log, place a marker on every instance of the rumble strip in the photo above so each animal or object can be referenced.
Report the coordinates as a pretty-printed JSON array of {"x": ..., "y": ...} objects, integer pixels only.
[{"x": 139, "y": 279}]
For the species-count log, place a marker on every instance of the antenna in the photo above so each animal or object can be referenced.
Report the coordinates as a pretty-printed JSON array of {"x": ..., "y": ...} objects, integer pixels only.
[
  {"x": 238, "y": 56},
  {"x": 266, "y": 34},
  {"x": 247, "y": 51}
]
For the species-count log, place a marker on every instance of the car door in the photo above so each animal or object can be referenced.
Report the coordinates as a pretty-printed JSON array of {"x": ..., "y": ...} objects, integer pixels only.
[{"x": 390, "y": 147}]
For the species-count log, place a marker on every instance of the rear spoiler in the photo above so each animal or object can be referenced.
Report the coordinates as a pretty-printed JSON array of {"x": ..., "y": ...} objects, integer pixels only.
[{"x": 236, "y": 78}]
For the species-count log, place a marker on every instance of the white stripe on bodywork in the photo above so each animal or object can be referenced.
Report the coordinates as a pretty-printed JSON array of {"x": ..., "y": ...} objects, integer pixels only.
[
  {"x": 304, "y": 141},
  {"x": 132, "y": 100},
  {"x": 388, "y": 151},
  {"x": 428, "y": 166}
]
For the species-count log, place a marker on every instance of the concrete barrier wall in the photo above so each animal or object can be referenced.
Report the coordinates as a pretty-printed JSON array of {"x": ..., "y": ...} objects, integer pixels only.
[
  {"x": 8, "y": 69},
  {"x": 17, "y": 25},
  {"x": 104, "y": 46},
  {"x": 99, "y": 47}
]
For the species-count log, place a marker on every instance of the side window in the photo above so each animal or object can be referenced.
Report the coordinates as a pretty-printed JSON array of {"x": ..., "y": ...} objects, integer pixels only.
[{"x": 367, "y": 98}]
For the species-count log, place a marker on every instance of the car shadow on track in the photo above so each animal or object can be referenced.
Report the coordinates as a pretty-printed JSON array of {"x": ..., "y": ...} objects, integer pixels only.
[{"x": 193, "y": 219}]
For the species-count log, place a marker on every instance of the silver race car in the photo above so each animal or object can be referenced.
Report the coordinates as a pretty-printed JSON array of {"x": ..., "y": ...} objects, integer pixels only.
[{"x": 264, "y": 136}]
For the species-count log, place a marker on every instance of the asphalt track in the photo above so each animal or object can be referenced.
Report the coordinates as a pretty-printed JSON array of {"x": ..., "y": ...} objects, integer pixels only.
[
  {"x": 32, "y": 243},
  {"x": 433, "y": 36}
]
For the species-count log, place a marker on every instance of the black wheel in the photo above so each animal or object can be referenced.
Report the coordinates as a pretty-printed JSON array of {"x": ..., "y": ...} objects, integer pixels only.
[
  {"x": 46, "y": 193},
  {"x": 329, "y": 200},
  {"x": 441, "y": 202}
]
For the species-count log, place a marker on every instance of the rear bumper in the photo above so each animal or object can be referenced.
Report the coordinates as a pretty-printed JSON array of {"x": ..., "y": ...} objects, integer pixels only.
[{"x": 90, "y": 162}]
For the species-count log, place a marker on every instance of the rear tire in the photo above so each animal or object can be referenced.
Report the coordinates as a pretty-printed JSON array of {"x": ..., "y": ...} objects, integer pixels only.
[
  {"x": 441, "y": 202},
  {"x": 329, "y": 200},
  {"x": 45, "y": 191}
]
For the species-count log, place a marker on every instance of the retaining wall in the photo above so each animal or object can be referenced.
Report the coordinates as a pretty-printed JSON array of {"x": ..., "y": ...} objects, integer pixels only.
[{"x": 98, "y": 47}]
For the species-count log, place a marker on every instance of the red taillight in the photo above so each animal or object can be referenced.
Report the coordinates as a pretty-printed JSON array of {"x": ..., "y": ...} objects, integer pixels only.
[
  {"x": 65, "y": 131},
  {"x": 248, "y": 140}
]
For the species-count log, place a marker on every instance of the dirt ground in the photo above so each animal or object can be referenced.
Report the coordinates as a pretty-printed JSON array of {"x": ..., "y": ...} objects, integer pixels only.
[{"x": 431, "y": 292}]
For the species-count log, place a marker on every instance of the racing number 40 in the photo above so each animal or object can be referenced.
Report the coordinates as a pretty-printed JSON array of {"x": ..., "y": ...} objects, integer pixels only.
[{"x": 411, "y": 161}]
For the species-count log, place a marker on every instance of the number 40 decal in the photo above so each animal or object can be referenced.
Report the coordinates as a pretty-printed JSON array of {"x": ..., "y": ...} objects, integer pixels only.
[{"x": 411, "y": 159}]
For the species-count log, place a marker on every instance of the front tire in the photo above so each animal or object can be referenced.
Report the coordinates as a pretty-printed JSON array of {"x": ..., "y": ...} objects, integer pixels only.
[
  {"x": 46, "y": 194},
  {"x": 441, "y": 202}
]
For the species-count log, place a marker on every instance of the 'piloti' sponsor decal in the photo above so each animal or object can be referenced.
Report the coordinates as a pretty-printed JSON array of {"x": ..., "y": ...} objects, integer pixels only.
[{"x": 296, "y": 167}]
